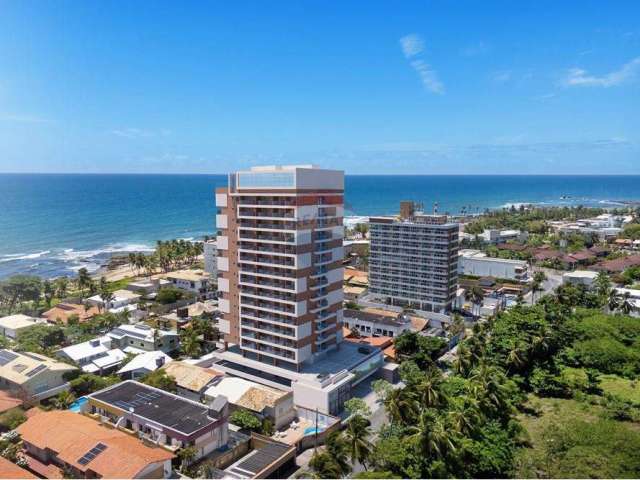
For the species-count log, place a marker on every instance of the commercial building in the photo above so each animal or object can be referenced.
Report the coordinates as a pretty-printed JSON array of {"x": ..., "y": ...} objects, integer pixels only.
[
  {"x": 87, "y": 449},
  {"x": 414, "y": 259},
  {"x": 94, "y": 356},
  {"x": 580, "y": 277},
  {"x": 382, "y": 324},
  {"x": 12, "y": 325},
  {"x": 324, "y": 384},
  {"x": 280, "y": 263},
  {"x": 477, "y": 263},
  {"x": 32, "y": 376},
  {"x": 501, "y": 236},
  {"x": 162, "y": 418},
  {"x": 140, "y": 338}
]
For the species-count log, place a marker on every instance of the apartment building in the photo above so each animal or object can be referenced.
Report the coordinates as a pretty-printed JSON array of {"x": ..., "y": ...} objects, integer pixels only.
[
  {"x": 475, "y": 262},
  {"x": 279, "y": 263},
  {"x": 414, "y": 259}
]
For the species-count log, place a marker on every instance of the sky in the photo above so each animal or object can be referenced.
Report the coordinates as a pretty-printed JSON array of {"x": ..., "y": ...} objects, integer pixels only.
[{"x": 424, "y": 87}]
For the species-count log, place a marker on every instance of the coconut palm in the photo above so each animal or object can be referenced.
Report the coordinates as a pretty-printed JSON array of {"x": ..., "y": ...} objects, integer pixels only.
[
  {"x": 400, "y": 405},
  {"x": 190, "y": 343},
  {"x": 432, "y": 436},
  {"x": 84, "y": 281},
  {"x": 614, "y": 300},
  {"x": 626, "y": 304},
  {"x": 356, "y": 436},
  {"x": 64, "y": 400},
  {"x": 429, "y": 388},
  {"x": 603, "y": 284},
  {"x": 336, "y": 447}
]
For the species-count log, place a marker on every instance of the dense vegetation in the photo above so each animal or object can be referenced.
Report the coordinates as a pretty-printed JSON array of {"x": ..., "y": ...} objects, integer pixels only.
[{"x": 496, "y": 411}]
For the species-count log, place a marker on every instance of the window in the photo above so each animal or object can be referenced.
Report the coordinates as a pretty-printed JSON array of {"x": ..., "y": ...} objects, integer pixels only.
[{"x": 266, "y": 179}]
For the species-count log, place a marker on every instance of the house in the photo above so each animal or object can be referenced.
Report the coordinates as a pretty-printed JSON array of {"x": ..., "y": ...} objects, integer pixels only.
[
  {"x": 63, "y": 311},
  {"x": 502, "y": 236},
  {"x": 195, "y": 281},
  {"x": 162, "y": 418},
  {"x": 267, "y": 402},
  {"x": 147, "y": 288},
  {"x": 580, "y": 277},
  {"x": 618, "y": 265},
  {"x": 12, "y": 325},
  {"x": 88, "y": 449},
  {"x": 183, "y": 315},
  {"x": 121, "y": 299},
  {"x": 94, "y": 356},
  {"x": 143, "y": 364},
  {"x": 477, "y": 263},
  {"x": 32, "y": 376},
  {"x": 192, "y": 380},
  {"x": 11, "y": 470},
  {"x": 140, "y": 338}
]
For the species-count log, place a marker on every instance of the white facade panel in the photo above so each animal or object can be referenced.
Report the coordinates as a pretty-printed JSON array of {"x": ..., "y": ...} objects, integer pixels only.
[
  {"x": 223, "y": 264},
  {"x": 221, "y": 200},
  {"x": 224, "y": 326},
  {"x": 223, "y": 285},
  {"x": 221, "y": 221},
  {"x": 222, "y": 242},
  {"x": 335, "y": 296},
  {"x": 223, "y": 305}
]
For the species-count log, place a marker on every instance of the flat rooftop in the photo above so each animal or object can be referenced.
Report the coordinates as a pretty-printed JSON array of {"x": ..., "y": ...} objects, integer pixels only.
[
  {"x": 347, "y": 357},
  {"x": 259, "y": 459},
  {"x": 161, "y": 407}
]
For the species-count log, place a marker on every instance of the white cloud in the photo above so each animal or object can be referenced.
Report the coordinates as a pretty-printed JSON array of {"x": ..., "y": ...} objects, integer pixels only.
[
  {"x": 581, "y": 78},
  {"x": 428, "y": 76},
  {"x": 412, "y": 45}
]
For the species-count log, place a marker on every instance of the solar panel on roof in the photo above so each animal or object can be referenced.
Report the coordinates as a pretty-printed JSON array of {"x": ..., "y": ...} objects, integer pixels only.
[
  {"x": 6, "y": 356},
  {"x": 91, "y": 454},
  {"x": 38, "y": 369}
]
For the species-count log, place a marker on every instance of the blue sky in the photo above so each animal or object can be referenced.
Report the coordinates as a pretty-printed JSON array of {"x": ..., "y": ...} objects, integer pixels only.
[{"x": 426, "y": 87}]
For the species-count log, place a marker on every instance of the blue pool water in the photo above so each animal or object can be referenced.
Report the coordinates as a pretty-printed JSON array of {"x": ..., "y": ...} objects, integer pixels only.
[
  {"x": 77, "y": 405},
  {"x": 310, "y": 430}
]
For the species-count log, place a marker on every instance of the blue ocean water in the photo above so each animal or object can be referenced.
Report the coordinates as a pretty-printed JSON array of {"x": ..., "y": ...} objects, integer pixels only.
[{"x": 55, "y": 224}]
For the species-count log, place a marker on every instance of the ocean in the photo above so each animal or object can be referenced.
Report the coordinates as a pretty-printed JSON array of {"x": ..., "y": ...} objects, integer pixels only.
[{"x": 52, "y": 225}]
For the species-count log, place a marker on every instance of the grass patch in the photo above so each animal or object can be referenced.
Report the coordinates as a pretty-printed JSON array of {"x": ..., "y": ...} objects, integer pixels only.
[
  {"x": 621, "y": 387},
  {"x": 120, "y": 284},
  {"x": 570, "y": 439}
]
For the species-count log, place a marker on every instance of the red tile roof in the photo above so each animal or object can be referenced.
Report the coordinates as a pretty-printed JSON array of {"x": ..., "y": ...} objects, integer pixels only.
[{"x": 11, "y": 470}]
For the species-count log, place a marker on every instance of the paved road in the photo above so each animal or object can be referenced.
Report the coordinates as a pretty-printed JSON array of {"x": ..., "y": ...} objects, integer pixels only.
[{"x": 553, "y": 281}]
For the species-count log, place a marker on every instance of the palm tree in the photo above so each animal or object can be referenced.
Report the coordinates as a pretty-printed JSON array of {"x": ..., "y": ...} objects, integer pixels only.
[
  {"x": 83, "y": 281},
  {"x": 400, "y": 405},
  {"x": 60, "y": 286},
  {"x": 477, "y": 296},
  {"x": 429, "y": 388},
  {"x": 603, "y": 284},
  {"x": 107, "y": 297},
  {"x": 336, "y": 447},
  {"x": 626, "y": 303},
  {"x": 190, "y": 343},
  {"x": 614, "y": 300},
  {"x": 64, "y": 400},
  {"x": 357, "y": 436},
  {"x": 48, "y": 291},
  {"x": 431, "y": 435},
  {"x": 463, "y": 415}
]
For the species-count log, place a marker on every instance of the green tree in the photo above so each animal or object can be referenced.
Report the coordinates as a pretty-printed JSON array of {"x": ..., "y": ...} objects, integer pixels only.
[
  {"x": 20, "y": 288},
  {"x": 160, "y": 379},
  {"x": 64, "y": 400},
  {"x": 246, "y": 420}
]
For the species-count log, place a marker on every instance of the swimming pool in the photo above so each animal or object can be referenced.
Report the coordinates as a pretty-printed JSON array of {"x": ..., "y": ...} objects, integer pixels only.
[
  {"x": 77, "y": 405},
  {"x": 310, "y": 430}
]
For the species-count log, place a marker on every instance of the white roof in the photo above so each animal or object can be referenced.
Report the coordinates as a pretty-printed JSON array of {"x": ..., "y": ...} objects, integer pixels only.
[
  {"x": 19, "y": 320},
  {"x": 146, "y": 361},
  {"x": 138, "y": 331},
  {"x": 231, "y": 387},
  {"x": 632, "y": 293},
  {"x": 86, "y": 349},
  {"x": 581, "y": 274},
  {"x": 111, "y": 358},
  {"x": 118, "y": 296}
]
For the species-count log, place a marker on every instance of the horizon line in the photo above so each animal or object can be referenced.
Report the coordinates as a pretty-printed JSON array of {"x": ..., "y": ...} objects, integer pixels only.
[{"x": 346, "y": 174}]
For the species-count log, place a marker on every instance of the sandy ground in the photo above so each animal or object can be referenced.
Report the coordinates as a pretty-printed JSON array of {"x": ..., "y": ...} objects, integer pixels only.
[{"x": 126, "y": 271}]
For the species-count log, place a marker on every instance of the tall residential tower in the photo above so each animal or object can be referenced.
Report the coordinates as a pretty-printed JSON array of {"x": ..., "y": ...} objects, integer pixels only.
[
  {"x": 280, "y": 262},
  {"x": 414, "y": 259}
]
